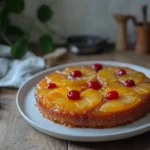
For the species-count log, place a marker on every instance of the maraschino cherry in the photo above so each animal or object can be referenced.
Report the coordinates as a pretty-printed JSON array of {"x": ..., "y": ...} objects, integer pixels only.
[
  {"x": 94, "y": 85},
  {"x": 129, "y": 83},
  {"x": 97, "y": 67},
  {"x": 76, "y": 73},
  {"x": 120, "y": 72},
  {"x": 73, "y": 95},
  {"x": 112, "y": 95},
  {"x": 51, "y": 85}
]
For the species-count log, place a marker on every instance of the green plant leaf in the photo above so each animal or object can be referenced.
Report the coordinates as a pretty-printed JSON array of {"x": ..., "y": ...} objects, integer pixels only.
[
  {"x": 4, "y": 20},
  {"x": 15, "y": 6},
  {"x": 20, "y": 48},
  {"x": 46, "y": 44},
  {"x": 4, "y": 11},
  {"x": 44, "y": 13},
  {"x": 14, "y": 33}
]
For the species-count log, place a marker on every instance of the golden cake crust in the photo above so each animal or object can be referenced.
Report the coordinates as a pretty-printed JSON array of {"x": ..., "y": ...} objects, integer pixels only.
[
  {"x": 91, "y": 117},
  {"x": 91, "y": 120}
]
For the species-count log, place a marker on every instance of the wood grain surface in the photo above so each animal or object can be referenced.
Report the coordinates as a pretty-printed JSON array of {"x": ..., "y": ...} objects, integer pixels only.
[{"x": 16, "y": 134}]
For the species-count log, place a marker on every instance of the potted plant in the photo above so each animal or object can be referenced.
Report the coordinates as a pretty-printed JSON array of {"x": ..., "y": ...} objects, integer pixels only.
[{"x": 18, "y": 39}]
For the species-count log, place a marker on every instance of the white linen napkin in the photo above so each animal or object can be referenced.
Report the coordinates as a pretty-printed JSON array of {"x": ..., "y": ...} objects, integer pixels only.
[{"x": 14, "y": 72}]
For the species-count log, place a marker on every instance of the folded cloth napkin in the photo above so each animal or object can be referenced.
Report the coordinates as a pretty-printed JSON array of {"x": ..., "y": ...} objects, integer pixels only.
[{"x": 14, "y": 72}]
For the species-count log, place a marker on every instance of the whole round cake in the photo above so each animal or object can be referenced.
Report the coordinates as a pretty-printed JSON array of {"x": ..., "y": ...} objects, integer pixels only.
[{"x": 95, "y": 96}]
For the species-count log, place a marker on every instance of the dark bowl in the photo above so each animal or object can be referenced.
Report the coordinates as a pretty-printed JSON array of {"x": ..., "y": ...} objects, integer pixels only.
[{"x": 86, "y": 44}]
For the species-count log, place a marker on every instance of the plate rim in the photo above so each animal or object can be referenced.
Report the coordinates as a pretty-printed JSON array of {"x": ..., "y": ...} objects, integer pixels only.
[{"x": 142, "y": 128}]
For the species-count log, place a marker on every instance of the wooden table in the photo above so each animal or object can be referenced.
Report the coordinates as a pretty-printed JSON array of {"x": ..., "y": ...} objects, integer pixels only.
[{"x": 16, "y": 134}]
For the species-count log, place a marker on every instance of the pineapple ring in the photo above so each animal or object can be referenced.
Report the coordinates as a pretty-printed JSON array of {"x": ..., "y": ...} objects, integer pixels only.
[
  {"x": 132, "y": 75},
  {"x": 58, "y": 101},
  {"x": 142, "y": 88},
  {"x": 108, "y": 75},
  {"x": 128, "y": 98},
  {"x": 58, "y": 78},
  {"x": 62, "y": 78},
  {"x": 87, "y": 72},
  {"x": 41, "y": 88}
]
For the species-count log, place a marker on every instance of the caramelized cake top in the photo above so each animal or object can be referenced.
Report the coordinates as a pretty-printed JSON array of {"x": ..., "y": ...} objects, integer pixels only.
[{"x": 96, "y": 88}]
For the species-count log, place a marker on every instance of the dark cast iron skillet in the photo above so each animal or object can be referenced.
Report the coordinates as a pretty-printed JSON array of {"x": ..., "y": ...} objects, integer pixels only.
[{"x": 86, "y": 44}]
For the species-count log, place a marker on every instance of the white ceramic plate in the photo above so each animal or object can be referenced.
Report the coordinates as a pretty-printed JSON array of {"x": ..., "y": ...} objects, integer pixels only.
[{"x": 26, "y": 106}]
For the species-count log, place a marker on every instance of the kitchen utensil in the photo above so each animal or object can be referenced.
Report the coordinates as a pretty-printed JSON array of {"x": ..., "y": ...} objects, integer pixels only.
[
  {"x": 86, "y": 44},
  {"x": 122, "y": 42}
]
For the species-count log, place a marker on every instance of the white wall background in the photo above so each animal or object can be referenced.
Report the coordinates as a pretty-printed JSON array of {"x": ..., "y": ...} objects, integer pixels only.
[{"x": 85, "y": 16}]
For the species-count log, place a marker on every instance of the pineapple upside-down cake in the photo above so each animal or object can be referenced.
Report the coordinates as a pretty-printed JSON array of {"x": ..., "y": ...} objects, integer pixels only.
[{"x": 95, "y": 96}]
